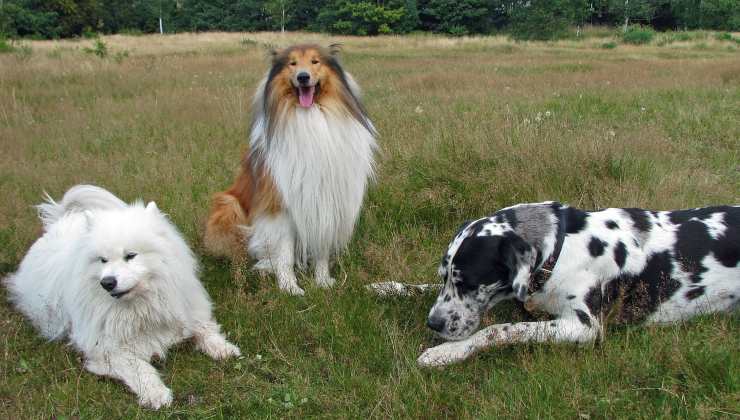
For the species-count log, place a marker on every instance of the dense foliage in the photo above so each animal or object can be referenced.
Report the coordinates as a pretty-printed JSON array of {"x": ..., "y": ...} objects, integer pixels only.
[{"x": 524, "y": 19}]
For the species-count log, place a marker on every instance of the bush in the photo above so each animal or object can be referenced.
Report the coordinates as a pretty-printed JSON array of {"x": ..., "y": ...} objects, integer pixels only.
[
  {"x": 609, "y": 45},
  {"x": 99, "y": 48},
  {"x": 638, "y": 35},
  {"x": 5, "y": 46}
]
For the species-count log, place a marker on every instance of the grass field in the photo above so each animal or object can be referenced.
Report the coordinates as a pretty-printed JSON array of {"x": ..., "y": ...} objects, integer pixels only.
[{"x": 467, "y": 126}]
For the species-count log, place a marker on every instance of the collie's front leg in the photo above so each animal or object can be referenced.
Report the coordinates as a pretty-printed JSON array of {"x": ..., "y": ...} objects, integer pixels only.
[
  {"x": 283, "y": 260},
  {"x": 273, "y": 243},
  {"x": 322, "y": 276}
]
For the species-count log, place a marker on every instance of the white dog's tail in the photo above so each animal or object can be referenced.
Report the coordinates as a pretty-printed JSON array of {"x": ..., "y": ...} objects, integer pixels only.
[{"x": 78, "y": 198}]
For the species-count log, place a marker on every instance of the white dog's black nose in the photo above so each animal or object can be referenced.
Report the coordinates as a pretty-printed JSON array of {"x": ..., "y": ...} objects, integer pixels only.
[
  {"x": 108, "y": 283},
  {"x": 436, "y": 323},
  {"x": 303, "y": 78}
]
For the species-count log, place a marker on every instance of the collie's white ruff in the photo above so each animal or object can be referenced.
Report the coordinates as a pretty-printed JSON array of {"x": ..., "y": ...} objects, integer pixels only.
[
  {"x": 321, "y": 162},
  {"x": 161, "y": 302}
]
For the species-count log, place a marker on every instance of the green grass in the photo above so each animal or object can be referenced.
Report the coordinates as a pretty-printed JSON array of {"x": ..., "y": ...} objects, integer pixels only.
[{"x": 468, "y": 125}]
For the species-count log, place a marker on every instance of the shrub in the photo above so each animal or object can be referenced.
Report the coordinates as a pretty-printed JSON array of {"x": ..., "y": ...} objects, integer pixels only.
[
  {"x": 609, "y": 45},
  {"x": 638, "y": 35},
  {"x": 99, "y": 48},
  {"x": 5, "y": 46}
]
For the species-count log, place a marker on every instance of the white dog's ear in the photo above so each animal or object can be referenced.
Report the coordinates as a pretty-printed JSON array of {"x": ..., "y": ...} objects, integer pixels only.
[
  {"x": 88, "y": 219},
  {"x": 152, "y": 206}
]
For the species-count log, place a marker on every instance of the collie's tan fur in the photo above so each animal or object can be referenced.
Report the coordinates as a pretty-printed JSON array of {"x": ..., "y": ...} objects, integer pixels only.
[{"x": 248, "y": 197}]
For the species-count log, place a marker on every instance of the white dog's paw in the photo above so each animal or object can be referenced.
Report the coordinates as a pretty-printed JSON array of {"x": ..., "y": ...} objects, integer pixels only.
[
  {"x": 325, "y": 282},
  {"x": 444, "y": 354},
  {"x": 218, "y": 348},
  {"x": 156, "y": 397}
]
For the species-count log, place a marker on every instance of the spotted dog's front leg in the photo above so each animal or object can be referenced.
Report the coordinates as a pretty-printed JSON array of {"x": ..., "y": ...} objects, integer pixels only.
[{"x": 571, "y": 329}]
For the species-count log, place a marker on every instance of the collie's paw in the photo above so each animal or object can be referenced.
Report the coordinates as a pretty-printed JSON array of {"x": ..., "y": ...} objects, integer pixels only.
[
  {"x": 156, "y": 398},
  {"x": 292, "y": 289},
  {"x": 444, "y": 354},
  {"x": 325, "y": 282}
]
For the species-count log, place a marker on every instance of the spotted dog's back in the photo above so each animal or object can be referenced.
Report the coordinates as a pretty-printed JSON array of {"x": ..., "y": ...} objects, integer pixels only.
[{"x": 650, "y": 266}]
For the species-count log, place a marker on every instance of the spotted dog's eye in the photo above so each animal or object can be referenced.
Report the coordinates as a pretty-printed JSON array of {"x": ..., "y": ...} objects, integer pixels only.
[
  {"x": 103, "y": 260},
  {"x": 129, "y": 256},
  {"x": 293, "y": 63},
  {"x": 314, "y": 61}
]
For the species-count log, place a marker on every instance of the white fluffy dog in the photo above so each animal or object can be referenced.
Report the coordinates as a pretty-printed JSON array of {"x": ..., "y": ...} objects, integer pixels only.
[{"x": 120, "y": 282}]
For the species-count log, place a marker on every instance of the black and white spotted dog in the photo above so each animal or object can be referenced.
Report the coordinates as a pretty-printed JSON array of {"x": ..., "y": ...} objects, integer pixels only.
[{"x": 631, "y": 265}]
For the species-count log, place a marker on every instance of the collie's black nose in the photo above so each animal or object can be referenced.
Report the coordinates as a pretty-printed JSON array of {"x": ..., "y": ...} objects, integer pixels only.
[
  {"x": 108, "y": 283},
  {"x": 436, "y": 323},
  {"x": 303, "y": 78}
]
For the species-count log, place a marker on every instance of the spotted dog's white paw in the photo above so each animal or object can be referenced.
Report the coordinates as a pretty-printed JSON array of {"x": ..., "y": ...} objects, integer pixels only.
[
  {"x": 445, "y": 354},
  {"x": 156, "y": 397}
]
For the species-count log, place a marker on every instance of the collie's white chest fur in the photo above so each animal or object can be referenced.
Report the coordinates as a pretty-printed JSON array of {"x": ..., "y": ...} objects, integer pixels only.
[{"x": 321, "y": 164}]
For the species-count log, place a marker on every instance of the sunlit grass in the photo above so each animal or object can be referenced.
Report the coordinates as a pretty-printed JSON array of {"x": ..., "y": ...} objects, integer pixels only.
[{"x": 467, "y": 125}]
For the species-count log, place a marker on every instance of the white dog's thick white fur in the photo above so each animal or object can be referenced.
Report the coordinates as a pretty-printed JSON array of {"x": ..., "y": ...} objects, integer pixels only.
[{"x": 156, "y": 301}]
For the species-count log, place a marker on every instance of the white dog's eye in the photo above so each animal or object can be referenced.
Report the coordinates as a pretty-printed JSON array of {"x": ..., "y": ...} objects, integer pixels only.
[
  {"x": 130, "y": 256},
  {"x": 103, "y": 260}
]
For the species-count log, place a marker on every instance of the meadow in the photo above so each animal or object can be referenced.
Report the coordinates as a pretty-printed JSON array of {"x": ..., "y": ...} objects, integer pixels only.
[{"x": 467, "y": 125}]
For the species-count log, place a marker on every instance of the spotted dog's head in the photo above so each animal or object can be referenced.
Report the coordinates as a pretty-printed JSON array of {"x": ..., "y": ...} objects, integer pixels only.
[{"x": 478, "y": 270}]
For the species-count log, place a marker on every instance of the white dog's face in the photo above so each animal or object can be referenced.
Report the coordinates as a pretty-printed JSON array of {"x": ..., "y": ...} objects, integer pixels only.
[
  {"x": 123, "y": 272},
  {"x": 124, "y": 255}
]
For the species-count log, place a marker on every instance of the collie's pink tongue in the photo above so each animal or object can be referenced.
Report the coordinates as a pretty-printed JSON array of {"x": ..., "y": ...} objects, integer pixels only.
[{"x": 305, "y": 95}]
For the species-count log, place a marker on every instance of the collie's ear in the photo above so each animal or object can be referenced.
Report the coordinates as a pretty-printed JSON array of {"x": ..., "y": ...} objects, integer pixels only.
[{"x": 335, "y": 49}]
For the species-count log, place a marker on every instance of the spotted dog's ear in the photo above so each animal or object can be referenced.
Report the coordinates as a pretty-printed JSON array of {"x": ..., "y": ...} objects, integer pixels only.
[{"x": 516, "y": 254}]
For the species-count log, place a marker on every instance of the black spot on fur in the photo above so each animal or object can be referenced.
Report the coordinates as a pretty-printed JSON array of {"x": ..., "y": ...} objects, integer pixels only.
[
  {"x": 611, "y": 224},
  {"x": 552, "y": 324},
  {"x": 683, "y": 216},
  {"x": 509, "y": 216},
  {"x": 639, "y": 219},
  {"x": 506, "y": 328},
  {"x": 570, "y": 297},
  {"x": 583, "y": 317},
  {"x": 632, "y": 298},
  {"x": 447, "y": 298},
  {"x": 692, "y": 245},
  {"x": 695, "y": 293},
  {"x": 596, "y": 247},
  {"x": 620, "y": 254},
  {"x": 575, "y": 219}
]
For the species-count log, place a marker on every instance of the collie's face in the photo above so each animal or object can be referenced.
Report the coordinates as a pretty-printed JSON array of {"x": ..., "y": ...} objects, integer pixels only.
[
  {"x": 302, "y": 71},
  {"x": 306, "y": 71}
]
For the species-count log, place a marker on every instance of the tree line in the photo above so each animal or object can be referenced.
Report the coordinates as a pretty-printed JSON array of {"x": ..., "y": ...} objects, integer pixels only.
[{"x": 523, "y": 19}]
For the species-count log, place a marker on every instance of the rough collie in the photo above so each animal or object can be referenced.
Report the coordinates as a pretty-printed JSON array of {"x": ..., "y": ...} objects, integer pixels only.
[
  {"x": 120, "y": 283},
  {"x": 301, "y": 184}
]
